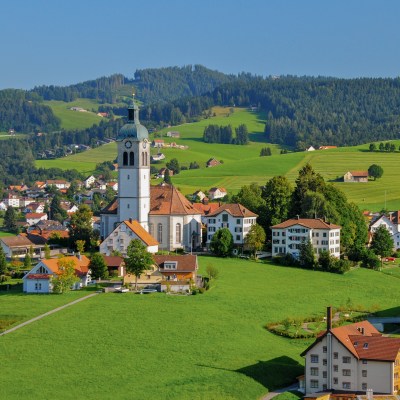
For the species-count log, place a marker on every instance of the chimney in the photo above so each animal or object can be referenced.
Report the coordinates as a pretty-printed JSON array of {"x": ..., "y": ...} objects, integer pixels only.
[
  {"x": 329, "y": 318},
  {"x": 78, "y": 254},
  {"x": 130, "y": 220}
]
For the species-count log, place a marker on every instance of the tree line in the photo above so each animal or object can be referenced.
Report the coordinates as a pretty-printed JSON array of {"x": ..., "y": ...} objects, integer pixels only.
[{"x": 224, "y": 134}]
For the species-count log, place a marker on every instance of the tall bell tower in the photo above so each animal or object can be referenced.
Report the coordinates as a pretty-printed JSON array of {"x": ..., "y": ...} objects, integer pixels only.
[{"x": 133, "y": 169}]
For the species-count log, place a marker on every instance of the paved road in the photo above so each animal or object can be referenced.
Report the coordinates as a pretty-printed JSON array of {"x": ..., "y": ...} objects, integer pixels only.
[
  {"x": 271, "y": 395},
  {"x": 46, "y": 314}
]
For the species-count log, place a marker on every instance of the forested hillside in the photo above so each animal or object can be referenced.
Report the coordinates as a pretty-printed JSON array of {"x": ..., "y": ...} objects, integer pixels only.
[
  {"x": 171, "y": 83},
  {"x": 320, "y": 111},
  {"x": 23, "y": 112},
  {"x": 301, "y": 111}
]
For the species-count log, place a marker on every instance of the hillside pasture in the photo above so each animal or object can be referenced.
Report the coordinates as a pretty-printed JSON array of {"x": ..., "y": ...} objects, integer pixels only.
[
  {"x": 210, "y": 346},
  {"x": 75, "y": 119}
]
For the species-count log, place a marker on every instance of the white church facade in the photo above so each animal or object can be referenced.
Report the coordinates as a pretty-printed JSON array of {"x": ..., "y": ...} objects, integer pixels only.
[{"x": 161, "y": 210}]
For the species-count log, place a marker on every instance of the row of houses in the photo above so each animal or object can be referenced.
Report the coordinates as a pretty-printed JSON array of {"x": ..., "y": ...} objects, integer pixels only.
[{"x": 177, "y": 272}]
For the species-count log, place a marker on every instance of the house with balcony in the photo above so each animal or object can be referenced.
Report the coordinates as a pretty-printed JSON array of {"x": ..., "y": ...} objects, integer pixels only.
[
  {"x": 237, "y": 218},
  {"x": 288, "y": 236},
  {"x": 351, "y": 359}
]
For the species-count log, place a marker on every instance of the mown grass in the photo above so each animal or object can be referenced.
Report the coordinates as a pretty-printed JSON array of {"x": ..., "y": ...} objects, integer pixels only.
[
  {"x": 74, "y": 119},
  {"x": 4, "y": 234},
  {"x": 210, "y": 346},
  {"x": 243, "y": 165}
]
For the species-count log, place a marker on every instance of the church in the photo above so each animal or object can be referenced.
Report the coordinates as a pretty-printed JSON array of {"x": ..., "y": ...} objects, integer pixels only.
[{"x": 162, "y": 211}]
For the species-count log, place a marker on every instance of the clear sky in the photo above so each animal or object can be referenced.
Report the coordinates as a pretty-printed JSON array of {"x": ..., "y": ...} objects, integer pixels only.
[{"x": 62, "y": 42}]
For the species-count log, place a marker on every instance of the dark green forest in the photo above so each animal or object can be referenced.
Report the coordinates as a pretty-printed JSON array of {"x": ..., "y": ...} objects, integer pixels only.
[{"x": 22, "y": 111}]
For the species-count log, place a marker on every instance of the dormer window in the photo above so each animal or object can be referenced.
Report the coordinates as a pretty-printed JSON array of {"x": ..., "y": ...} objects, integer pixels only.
[
  {"x": 170, "y": 265},
  {"x": 365, "y": 346}
]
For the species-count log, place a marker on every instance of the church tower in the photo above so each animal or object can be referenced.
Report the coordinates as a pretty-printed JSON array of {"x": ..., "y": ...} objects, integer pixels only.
[{"x": 134, "y": 170}]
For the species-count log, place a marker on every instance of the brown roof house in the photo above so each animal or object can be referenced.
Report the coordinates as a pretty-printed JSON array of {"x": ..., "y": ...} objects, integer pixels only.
[
  {"x": 352, "y": 358},
  {"x": 178, "y": 272},
  {"x": 212, "y": 162},
  {"x": 355, "y": 176}
]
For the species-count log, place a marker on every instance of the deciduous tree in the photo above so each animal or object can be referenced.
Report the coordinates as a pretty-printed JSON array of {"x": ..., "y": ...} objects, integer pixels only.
[
  {"x": 3, "y": 262},
  {"x": 65, "y": 278},
  {"x": 255, "y": 239},
  {"x": 138, "y": 259},
  {"x": 376, "y": 171},
  {"x": 382, "y": 242},
  {"x": 222, "y": 243}
]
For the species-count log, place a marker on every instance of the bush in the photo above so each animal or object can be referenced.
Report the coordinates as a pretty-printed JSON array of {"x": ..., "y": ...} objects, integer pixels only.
[
  {"x": 202, "y": 290},
  {"x": 5, "y": 278}
]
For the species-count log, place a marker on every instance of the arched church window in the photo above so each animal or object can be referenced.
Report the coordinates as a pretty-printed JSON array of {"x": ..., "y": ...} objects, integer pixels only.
[
  {"x": 159, "y": 233},
  {"x": 151, "y": 229},
  {"x": 131, "y": 158},
  {"x": 143, "y": 158},
  {"x": 178, "y": 233},
  {"x": 125, "y": 158}
]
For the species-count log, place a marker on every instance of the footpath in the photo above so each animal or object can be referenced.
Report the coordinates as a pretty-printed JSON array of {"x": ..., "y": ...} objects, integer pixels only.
[
  {"x": 271, "y": 395},
  {"x": 46, "y": 314}
]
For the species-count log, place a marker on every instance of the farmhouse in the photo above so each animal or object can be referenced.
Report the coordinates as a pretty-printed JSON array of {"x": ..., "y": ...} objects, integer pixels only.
[
  {"x": 288, "y": 236},
  {"x": 212, "y": 162},
  {"x": 38, "y": 279},
  {"x": 237, "y": 218},
  {"x": 157, "y": 143},
  {"x": 352, "y": 358},
  {"x": 355, "y": 176},
  {"x": 173, "y": 134},
  {"x": 217, "y": 193}
]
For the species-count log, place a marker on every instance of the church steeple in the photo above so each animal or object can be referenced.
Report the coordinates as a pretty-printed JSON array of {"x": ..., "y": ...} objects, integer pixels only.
[{"x": 133, "y": 112}]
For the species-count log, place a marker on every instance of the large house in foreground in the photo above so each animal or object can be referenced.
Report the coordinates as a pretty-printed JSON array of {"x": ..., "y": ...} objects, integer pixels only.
[
  {"x": 352, "y": 358},
  {"x": 288, "y": 236}
]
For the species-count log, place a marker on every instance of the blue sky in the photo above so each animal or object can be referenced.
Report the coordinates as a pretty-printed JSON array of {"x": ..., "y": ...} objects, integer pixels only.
[{"x": 64, "y": 42}]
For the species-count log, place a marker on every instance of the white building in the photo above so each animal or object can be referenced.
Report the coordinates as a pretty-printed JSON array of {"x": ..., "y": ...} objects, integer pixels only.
[
  {"x": 217, "y": 193},
  {"x": 89, "y": 181},
  {"x": 161, "y": 210},
  {"x": 289, "y": 235},
  {"x": 12, "y": 200},
  {"x": 237, "y": 218},
  {"x": 122, "y": 235},
  {"x": 352, "y": 358},
  {"x": 38, "y": 279},
  {"x": 34, "y": 218}
]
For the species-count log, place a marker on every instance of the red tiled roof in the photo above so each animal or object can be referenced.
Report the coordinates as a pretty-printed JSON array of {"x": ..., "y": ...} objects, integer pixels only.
[
  {"x": 363, "y": 174},
  {"x": 167, "y": 200},
  {"x": 206, "y": 209},
  {"x": 81, "y": 265},
  {"x": 15, "y": 241},
  {"x": 364, "y": 341},
  {"x": 235, "y": 209},
  {"x": 38, "y": 276},
  {"x": 34, "y": 215},
  {"x": 185, "y": 263},
  {"x": 113, "y": 261},
  {"x": 141, "y": 233},
  {"x": 312, "y": 223}
]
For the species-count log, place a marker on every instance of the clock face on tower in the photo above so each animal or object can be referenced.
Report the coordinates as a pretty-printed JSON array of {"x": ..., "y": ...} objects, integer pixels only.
[
  {"x": 128, "y": 144},
  {"x": 144, "y": 144}
]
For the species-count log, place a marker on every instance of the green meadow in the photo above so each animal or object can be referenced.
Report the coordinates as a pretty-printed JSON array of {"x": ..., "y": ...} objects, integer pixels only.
[
  {"x": 75, "y": 119},
  {"x": 209, "y": 346},
  {"x": 243, "y": 165}
]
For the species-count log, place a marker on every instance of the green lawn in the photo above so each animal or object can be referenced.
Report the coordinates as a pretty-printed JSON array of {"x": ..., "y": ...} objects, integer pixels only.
[
  {"x": 74, "y": 119},
  {"x": 3, "y": 234},
  {"x": 210, "y": 346}
]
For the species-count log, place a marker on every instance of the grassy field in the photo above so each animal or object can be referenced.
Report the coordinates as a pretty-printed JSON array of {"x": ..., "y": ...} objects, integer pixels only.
[
  {"x": 210, "y": 346},
  {"x": 74, "y": 119},
  {"x": 243, "y": 165},
  {"x": 4, "y": 234}
]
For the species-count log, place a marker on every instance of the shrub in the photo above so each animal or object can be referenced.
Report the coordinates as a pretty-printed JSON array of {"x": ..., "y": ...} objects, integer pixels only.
[{"x": 202, "y": 290}]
